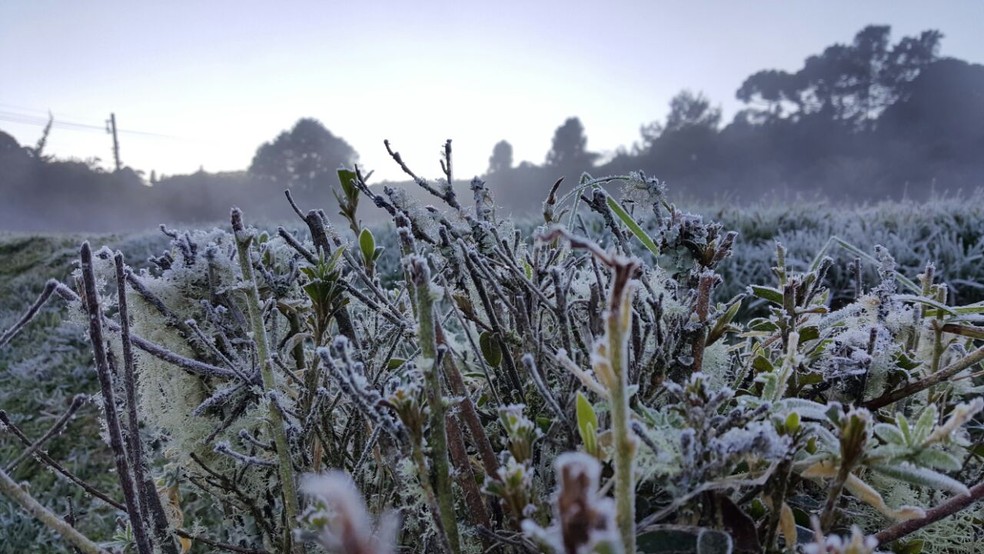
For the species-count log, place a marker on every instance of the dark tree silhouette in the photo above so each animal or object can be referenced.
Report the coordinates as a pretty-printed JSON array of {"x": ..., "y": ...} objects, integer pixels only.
[
  {"x": 502, "y": 157},
  {"x": 306, "y": 157},
  {"x": 691, "y": 110},
  {"x": 851, "y": 84},
  {"x": 570, "y": 147}
]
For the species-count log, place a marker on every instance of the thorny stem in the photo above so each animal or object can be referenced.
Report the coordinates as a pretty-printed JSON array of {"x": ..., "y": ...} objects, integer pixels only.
[
  {"x": 420, "y": 275},
  {"x": 285, "y": 466},
  {"x": 12, "y": 490},
  {"x": 113, "y": 427}
]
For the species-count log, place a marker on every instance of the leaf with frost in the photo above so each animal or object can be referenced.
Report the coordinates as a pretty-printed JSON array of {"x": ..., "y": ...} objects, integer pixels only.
[
  {"x": 958, "y": 417},
  {"x": 633, "y": 226},
  {"x": 864, "y": 492},
  {"x": 922, "y": 477},
  {"x": 938, "y": 459},
  {"x": 890, "y": 434},
  {"x": 924, "y": 425},
  {"x": 807, "y": 409}
]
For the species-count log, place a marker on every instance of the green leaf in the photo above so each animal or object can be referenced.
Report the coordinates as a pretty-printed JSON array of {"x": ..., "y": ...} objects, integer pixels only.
[
  {"x": 347, "y": 177},
  {"x": 768, "y": 294},
  {"x": 903, "y": 361},
  {"x": 809, "y": 333},
  {"x": 490, "y": 349},
  {"x": 922, "y": 477},
  {"x": 807, "y": 409},
  {"x": 763, "y": 325},
  {"x": 528, "y": 270},
  {"x": 367, "y": 243},
  {"x": 721, "y": 325},
  {"x": 938, "y": 459},
  {"x": 792, "y": 422},
  {"x": 903, "y": 425},
  {"x": 927, "y": 301},
  {"x": 761, "y": 364},
  {"x": 915, "y": 546},
  {"x": 890, "y": 434},
  {"x": 633, "y": 226},
  {"x": 587, "y": 423},
  {"x": 395, "y": 363},
  {"x": 924, "y": 425}
]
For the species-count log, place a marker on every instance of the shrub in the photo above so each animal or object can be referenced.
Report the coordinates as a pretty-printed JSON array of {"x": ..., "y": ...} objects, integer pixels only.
[{"x": 579, "y": 388}]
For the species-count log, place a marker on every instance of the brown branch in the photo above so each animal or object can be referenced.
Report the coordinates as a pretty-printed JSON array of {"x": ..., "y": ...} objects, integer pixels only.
[
  {"x": 933, "y": 515},
  {"x": 94, "y": 311},
  {"x": 942, "y": 375},
  {"x": 44, "y": 458}
]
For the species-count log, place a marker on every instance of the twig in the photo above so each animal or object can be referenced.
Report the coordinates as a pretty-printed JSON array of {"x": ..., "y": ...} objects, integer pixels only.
[
  {"x": 933, "y": 515},
  {"x": 77, "y": 403},
  {"x": 149, "y": 503},
  {"x": 956, "y": 367},
  {"x": 285, "y": 466},
  {"x": 113, "y": 427},
  {"x": 59, "y": 525},
  {"x": 220, "y": 545},
  {"x": 44, "y": 458}
]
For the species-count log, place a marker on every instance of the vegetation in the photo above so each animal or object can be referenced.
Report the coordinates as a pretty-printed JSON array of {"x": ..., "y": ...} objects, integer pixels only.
[{"x": 463, "y": 383}]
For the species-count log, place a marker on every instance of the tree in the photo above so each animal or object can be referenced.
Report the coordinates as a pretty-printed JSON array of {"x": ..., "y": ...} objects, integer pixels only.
[
  {"x": 306, "y": 157},
  {"x": 850, "y": 84},
  {"x": 569, "y": 147},
  {"x": 691, "y": 110},
  {"x": 691, "y": 118},
  {"x": 502, "y": 157},
  {"x": 942, "y": 112}
]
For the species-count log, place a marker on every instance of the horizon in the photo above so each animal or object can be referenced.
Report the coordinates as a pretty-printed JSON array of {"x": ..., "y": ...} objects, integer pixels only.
[{"x": 215, "y": 82}]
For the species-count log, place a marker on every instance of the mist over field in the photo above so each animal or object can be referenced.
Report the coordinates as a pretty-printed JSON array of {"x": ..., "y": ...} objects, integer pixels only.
[{"x": 876, "y": 116}]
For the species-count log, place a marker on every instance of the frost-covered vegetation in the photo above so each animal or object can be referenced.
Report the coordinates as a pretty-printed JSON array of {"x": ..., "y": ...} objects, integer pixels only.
[{"x": 621, "y": 377}]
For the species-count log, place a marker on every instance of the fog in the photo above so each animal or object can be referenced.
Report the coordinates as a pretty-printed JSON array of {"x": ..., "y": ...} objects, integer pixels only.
[{"x": 877, "y": 116}]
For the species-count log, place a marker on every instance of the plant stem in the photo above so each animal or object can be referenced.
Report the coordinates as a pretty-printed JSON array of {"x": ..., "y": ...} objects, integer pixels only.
[
  {"x": 617, "y": 335},
  {"x": 438, "y": 438},
  {"x": 151, "y": 510},
  {"x": 974, "y": 357},
  {"x": 933, "y": 515},
  {"x": 285, "y": 466},
  {"x": 11, "y": 489},
  {"x": 113, "y": 428}
]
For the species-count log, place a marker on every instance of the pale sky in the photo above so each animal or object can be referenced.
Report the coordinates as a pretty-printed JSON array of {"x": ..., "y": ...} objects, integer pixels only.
[{"x": 204, "y": 83}]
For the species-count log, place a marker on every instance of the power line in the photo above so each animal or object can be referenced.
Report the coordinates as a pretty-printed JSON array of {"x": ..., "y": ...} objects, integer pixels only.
[{"x": 39, "y": 121}]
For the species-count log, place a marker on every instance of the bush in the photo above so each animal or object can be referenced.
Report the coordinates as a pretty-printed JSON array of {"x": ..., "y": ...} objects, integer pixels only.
[{"x": 470, "y": 385}]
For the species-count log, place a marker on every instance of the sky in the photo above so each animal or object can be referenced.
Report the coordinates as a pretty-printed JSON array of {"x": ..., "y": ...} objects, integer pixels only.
[{"x": 202, "y": 84}]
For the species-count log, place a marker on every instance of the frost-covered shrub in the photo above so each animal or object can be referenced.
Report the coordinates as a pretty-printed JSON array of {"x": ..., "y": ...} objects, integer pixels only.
[{"x": 582, "y": 387}]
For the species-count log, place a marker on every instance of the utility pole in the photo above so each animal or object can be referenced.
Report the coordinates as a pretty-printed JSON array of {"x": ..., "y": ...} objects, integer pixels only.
[{"x": 111, "y": 128}]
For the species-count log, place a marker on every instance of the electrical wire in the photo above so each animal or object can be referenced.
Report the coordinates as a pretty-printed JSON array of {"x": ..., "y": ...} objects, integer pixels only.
[{"x": 40, "y": 121}]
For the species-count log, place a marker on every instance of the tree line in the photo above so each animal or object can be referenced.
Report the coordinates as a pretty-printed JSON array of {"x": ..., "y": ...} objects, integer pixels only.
[{"x": 868, "y": 119}]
